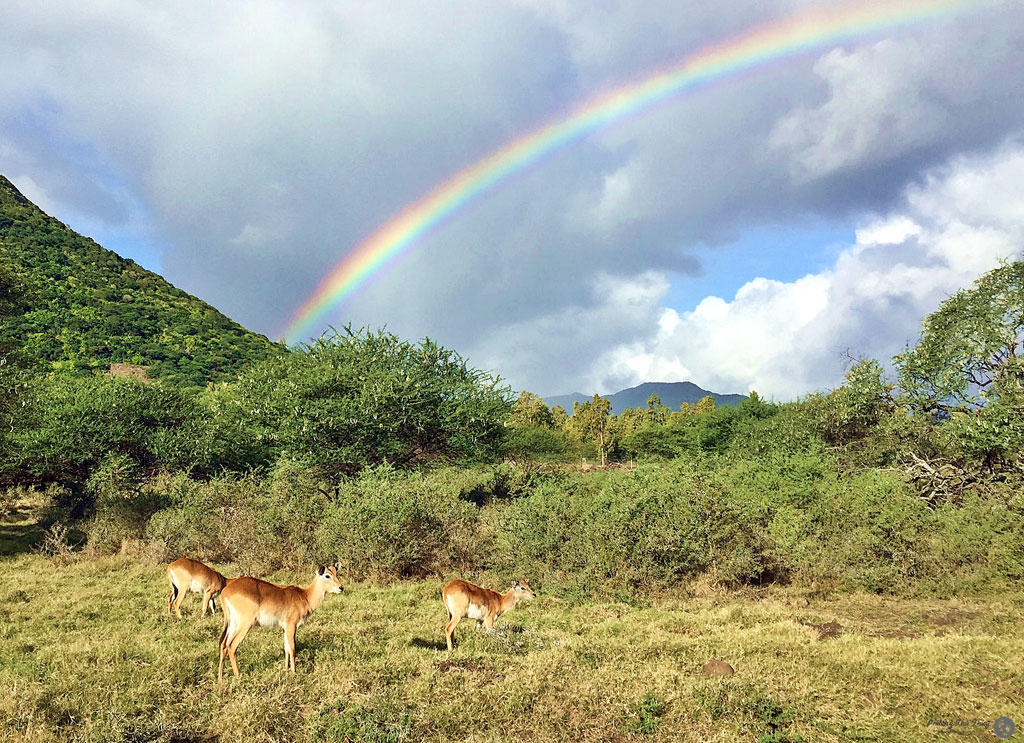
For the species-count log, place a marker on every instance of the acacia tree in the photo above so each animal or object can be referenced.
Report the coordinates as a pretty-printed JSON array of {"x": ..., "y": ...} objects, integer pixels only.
[
  {"x": 967, "y": 369},
  {"x": 531, "y": 410},
  {"x": 360, "y": 398},
  {"x": 705, "y": 405},
  {"x": 591, "y": 421}
]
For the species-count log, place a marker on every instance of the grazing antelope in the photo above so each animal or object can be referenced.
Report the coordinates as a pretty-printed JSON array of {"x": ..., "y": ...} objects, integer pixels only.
[
  {"x": 187, "y": 575},
  {"x": 248, "y": 600},
  {"x": 463, "y": 599}
]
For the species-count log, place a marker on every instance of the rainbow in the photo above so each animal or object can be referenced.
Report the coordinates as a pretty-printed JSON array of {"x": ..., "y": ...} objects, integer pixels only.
[{"x": 811, "y": 28}]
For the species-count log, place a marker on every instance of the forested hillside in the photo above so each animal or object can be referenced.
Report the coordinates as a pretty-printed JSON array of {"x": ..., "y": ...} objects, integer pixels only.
[{"x": 78, "y": 306}]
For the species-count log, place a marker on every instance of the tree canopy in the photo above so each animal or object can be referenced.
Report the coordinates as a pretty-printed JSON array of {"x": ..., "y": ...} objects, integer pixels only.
[{"x": 359, "y": 397}]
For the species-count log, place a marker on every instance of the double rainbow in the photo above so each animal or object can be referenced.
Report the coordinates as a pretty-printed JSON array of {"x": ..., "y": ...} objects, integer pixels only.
[{"x": 811, "y": 28}]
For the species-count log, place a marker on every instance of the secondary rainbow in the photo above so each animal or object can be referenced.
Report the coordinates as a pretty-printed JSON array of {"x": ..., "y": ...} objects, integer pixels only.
[{"x": 811, "y": 28}]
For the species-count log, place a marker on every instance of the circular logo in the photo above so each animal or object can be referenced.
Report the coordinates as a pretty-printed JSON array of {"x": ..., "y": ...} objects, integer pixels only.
[{"x": 1004, "y": 727}]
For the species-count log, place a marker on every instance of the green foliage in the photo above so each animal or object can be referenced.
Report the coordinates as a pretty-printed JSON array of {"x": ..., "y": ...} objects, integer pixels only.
[
  {"x": 530, "y": 410},
  {"x": 262, "y": 524},
  {"x": 969, "y": 348},
  {"x": 341, "y": 723},
  {"x": 590, "y": 423},
  {"x": 385, "y": 525},
  {"x": 537, "y": 442},
  {"x": 710, "y": 430},
  {"x": 15, "y": 371},
  {"x": 968, "y": 365},
  {"x": 644, "y": 716},
  {"x": 83, "y": 307},
  {"x": 654, "y": 527},
  {"x": 123, "y": 502},
  {"x": 77, "y": 423},
  {"x": 705, "y": 405},
  {"x": 361, "y": 398}
]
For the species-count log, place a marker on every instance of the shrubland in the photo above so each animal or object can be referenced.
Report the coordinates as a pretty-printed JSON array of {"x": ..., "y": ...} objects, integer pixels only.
[
  {"x": 857, "y": 555},
  {"x": 403, "y": 461}
]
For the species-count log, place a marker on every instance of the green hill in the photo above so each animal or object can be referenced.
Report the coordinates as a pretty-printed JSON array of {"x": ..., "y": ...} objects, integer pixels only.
[{"x": 83, "y": 307}]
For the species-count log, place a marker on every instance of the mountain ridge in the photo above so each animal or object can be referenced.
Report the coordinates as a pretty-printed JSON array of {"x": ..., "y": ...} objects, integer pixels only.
[{"x": 672, "y": 394}]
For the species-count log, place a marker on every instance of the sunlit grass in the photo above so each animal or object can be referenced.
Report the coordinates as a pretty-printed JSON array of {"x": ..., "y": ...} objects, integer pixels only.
[{"x": 88, "y": 652}]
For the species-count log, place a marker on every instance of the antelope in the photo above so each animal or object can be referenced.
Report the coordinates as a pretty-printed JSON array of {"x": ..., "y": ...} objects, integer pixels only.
[
  {"x": 463, "y": 599},
  {"x": 249, "y": 600},
  {"x": 186, "y": 576}
]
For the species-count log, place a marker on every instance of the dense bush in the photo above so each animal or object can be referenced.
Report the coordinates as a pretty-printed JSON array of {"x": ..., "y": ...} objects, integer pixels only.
[
  {"x": 361, "y": 398},
  {"x": 786, "y": 517},
  {"x": 338, "y": 453},
  {"x": 537, "y": 442},
  {"x": 75, "y": 424}
]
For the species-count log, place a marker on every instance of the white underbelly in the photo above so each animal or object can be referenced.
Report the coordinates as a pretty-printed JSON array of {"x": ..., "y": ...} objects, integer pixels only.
[
  {"x": 475, "y": 611},
  {"x": 197, "y": 586},
  {"x": 266, "y": 620}
]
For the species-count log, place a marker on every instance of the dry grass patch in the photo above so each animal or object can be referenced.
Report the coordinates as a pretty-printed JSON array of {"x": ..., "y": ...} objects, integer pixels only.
[{"x": 89, "y": 653}]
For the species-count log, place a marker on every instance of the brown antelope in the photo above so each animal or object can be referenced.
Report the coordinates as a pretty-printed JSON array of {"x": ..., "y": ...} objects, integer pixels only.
[
  {"x": 187, "y": 575},
  {"x": 463, "y": 599},
  {"x": 248, "y": 600}
]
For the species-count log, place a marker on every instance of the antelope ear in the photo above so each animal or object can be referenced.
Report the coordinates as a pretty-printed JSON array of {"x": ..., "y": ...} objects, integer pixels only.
[
  {"x": 337, "y": 566},
  {"x": 321, "y": 570}
]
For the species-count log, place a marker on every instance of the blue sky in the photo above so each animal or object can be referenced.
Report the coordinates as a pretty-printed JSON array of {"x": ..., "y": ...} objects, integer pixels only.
[
  {"x": 780, "y": 252},
  {"x": 743, "y": 236}
]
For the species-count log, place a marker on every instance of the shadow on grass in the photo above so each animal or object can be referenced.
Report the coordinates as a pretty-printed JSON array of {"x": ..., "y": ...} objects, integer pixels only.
[
  {"x": 18, "y": 538},
  {"x": 419, "y": 642}
]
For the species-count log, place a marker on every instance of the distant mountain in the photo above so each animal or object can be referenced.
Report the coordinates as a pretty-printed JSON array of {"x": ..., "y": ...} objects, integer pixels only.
[
  {"x": 83, "y": 307},
  {"x": 673, "y": 394}
]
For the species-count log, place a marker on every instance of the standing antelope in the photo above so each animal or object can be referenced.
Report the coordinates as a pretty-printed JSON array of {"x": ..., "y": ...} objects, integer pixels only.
[
  {"x": 186, "y": 576},
  {"x": 249, "y": 600},
  {"x": 463, "y": 599}
]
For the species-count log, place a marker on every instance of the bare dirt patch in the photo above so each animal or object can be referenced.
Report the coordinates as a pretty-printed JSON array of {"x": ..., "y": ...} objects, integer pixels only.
[
  {"x": 826, "y": 630},
  {"x": 949, "y": 617}
]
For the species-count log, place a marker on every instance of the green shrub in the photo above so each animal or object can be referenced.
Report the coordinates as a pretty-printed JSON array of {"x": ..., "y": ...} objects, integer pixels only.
[
  {"x": 358, "y": 399},
  {"x": 387, "y": 524},
  {"x": 79, "y": 422},
  {"x": 537, "y": 442},
  {"x": 636, "y": 530}
]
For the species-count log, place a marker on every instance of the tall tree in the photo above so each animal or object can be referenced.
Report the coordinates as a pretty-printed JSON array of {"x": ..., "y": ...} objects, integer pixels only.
[
  {"x": 531, "y": 410},
  {"x": 705, "y": 405},
  {"x": 967, "y": 370},
  {"x": 969, "y": 353},
  {"x": 656, "y": 413},
  {"x": 591, "y": 422}
]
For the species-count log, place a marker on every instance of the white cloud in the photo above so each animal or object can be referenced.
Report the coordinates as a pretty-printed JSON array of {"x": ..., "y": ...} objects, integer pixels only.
[
  {"x": 785, "y": 339},
  {"x": 256, "y": 142},
  {"x": 899, "y": 96}
]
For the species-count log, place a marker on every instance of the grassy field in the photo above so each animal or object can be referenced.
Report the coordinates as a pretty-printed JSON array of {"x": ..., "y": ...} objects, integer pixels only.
[{"x": 88, "y": 652}]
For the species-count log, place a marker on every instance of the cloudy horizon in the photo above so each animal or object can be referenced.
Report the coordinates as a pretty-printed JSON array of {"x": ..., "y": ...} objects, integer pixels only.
[{"x": 749, "y": 235}]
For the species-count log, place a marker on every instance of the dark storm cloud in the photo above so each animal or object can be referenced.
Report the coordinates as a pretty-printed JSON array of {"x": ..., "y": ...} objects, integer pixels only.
[{"x": 264, "y": 140}]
